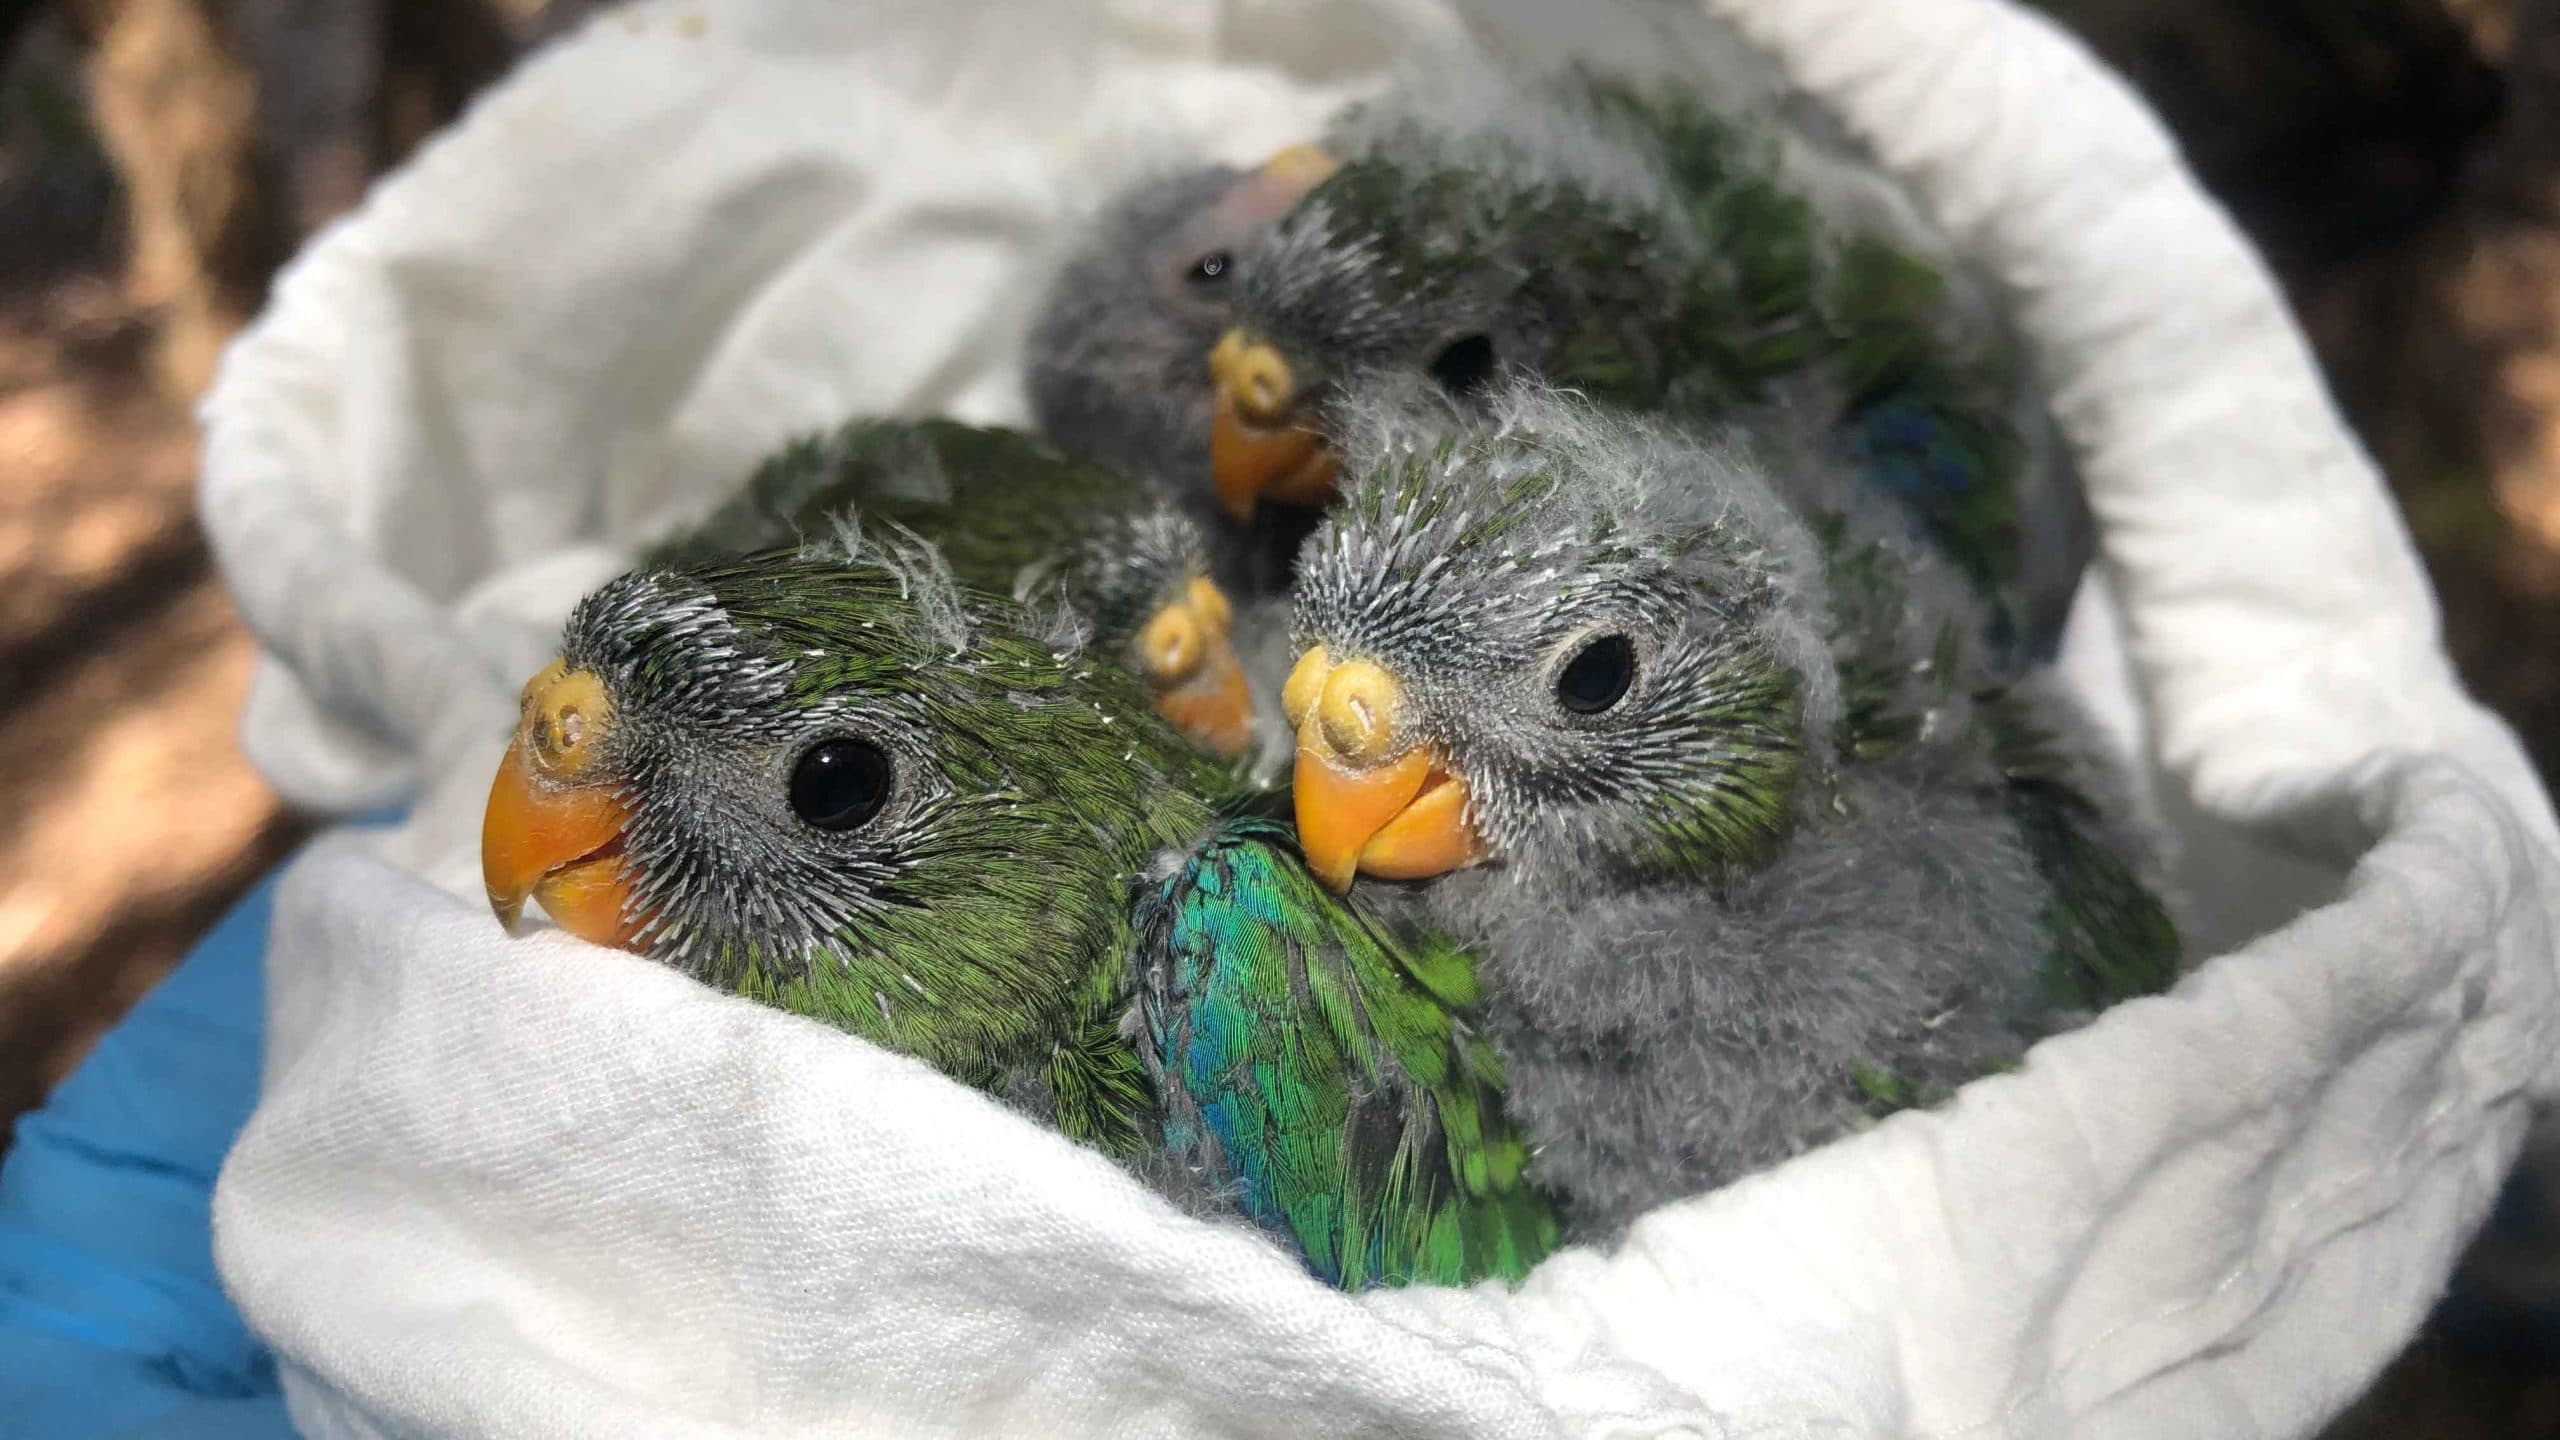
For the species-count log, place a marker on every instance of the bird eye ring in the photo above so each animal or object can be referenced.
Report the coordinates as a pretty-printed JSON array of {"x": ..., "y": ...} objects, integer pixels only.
[
  {"x": 1598, "y": 676},
  {"x": 1211, "y": 269},
  {"x": 839, "y": 784}
]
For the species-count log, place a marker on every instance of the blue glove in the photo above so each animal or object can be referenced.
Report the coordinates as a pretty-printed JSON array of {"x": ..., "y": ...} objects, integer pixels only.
[{"x": 111, "y": 1321}]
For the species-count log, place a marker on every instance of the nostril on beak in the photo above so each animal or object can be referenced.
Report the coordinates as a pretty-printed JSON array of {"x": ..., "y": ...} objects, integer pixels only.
[
  {"x": 1359, "y": 712},
  {"x": 1171, "y": 647},
  {"x": 1263, "y": 389},
  {"x": 564, "y": 712}
]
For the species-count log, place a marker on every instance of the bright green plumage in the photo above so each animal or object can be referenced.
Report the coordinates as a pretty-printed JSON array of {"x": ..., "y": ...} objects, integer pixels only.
[
  {"x": 1049, "y": 855},
  {"x": 1005, "y": 511},
  {"x": 979, "y": 936}
]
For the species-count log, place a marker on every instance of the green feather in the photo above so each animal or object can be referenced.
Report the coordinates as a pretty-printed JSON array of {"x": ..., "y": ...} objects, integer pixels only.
[
  {"x": 992, "y": 500},
  {"x": 2112, "y": 937},
  {"x": 1001, "y": 939},
  {"x": 1005, "y": 512}
]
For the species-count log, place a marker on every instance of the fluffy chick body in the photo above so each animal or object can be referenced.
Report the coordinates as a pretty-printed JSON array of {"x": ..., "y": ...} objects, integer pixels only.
[{"x": 1803, "y": 872}]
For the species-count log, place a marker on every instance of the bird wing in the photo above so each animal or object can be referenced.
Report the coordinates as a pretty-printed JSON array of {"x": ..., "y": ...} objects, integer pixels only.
[
  {"x": 2112, "y": 937},
  {"x": 2109, "y": 936},
  {"x": 1320, "y": 1062},
  {"x": 1930, "y": 408}
]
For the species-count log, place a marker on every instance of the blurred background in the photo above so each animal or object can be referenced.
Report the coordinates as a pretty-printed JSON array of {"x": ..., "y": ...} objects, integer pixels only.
[{"x": 2398, "y": 161}]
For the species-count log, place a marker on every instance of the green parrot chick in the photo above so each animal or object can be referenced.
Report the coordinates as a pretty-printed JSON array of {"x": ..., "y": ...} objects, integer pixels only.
[
  {"x": 1657, "y": 255},
  {"x": 818, "y": 783}
]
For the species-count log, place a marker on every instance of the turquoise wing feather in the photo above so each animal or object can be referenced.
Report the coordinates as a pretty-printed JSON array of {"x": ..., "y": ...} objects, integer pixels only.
[{"x": 1321, "y": 1064}]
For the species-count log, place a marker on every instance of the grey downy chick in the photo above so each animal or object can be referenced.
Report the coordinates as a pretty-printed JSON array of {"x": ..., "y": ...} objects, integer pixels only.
[
  {"x": 1116, "y": 361},
  {"x": 1753, "y": 836}
]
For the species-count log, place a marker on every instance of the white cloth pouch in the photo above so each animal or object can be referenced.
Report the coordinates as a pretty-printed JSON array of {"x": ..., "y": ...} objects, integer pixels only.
[{"x": 539, "y": 1188}]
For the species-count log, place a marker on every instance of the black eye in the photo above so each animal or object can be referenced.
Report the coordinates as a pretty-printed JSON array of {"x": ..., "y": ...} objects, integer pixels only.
[
  {"x": 1464, "y": 366},
  {"x": 1211, "y": 269},
  {"x": 1598, "y": 677},
  {"x": 839, "y": 784}
]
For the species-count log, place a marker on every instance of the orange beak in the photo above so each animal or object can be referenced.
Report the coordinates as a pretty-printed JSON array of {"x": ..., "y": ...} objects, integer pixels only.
[
  {"x": 1262, "y": 444},
  {"x": 1187, "y": 652},
  {"x": 553, "y": 830},
  {"x": 1369, "y": 800}
]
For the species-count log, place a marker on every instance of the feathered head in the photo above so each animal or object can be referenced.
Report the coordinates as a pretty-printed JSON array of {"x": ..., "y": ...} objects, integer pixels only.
[
  {"x": 831, "y": 779},
  {"x": 1572, "y": 642}
]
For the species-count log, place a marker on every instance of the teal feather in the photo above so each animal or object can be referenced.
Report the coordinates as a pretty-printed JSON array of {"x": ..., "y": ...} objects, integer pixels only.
[{"x": 1323, "y": 1062}]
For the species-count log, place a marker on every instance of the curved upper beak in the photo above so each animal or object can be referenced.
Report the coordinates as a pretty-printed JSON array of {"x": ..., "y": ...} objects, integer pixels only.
[
  {"x": 1187, "y": 652},
  {"x": 553, "y": 828},
  {"x": 1262, "y": 440},
  {"x": 1370, "y": 800}
]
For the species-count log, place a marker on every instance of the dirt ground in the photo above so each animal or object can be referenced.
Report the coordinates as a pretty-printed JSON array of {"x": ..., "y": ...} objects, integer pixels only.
[{"x": 128, "y": 818}]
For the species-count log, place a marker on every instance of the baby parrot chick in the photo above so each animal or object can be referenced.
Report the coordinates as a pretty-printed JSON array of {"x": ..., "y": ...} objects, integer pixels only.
[
  {"x": 1700, "y": 753},
  {"x": 1114, "y": 370}
]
